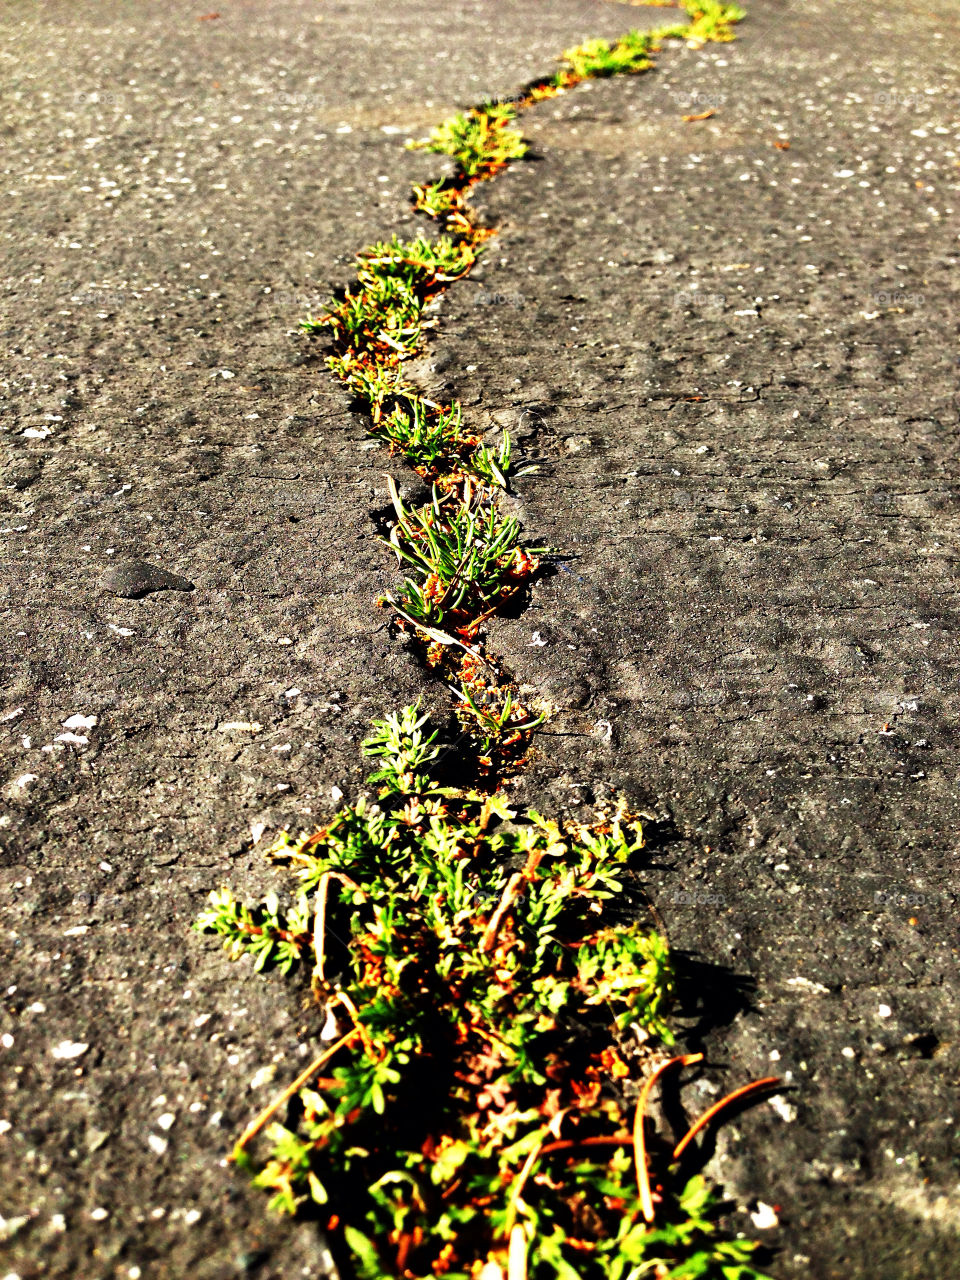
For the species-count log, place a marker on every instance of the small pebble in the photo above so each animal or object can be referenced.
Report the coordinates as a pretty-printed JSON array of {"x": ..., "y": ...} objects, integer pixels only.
[
  {"x": 764, "y": 1217},
  {"x": 80, "y": 722},
  {"x": 68, "y": 1049}
]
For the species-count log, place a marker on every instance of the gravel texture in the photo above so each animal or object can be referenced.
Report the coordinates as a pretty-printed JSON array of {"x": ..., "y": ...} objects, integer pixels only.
[{"x": 738, "y": 360}]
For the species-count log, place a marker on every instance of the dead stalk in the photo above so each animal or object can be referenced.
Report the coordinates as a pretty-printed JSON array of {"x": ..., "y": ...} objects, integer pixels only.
[
  {"x": 755, "y": 1086},
  {"x": 510, "y": 894},
  {"x": 254, "y": 1127},
  {"x": 320, "y": 917},
  {"x": 639, "y": 1141}
]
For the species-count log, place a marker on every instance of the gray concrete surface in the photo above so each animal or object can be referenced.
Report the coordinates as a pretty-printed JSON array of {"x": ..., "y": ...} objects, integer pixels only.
[{"x": 740, "y": 363}]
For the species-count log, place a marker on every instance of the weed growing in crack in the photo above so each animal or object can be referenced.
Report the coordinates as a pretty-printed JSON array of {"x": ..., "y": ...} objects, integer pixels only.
[
  {"x": 492, "y": 718},
  {"x": 628, "y": 55},
  {"x": 438, "y": 200},
  {"x": 503, "y": 1023},
  {"x": 496, "y": 466},
  {"x": 272, "y": 937},
  {"x": 480, "y": 141},
  {"x": 711, "y": 20},
  {"x": 376, "y": 383},
  {"x": 420, "y": 263},
  {"x": 491, "y": 1026},
  {"x": 427, "y": 435},
  {"x": 468, "y": 558}
]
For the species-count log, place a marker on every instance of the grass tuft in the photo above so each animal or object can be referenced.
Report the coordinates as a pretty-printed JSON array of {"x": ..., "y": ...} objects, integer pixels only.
[
  {"x": 467, "y": 558},
  {"x": 481, "y": 141}
]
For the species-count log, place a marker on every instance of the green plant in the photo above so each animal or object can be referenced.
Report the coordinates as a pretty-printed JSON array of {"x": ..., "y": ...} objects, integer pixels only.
[
  {"x": 436, "y": 199},
  {"x": 374, "y": 381},
  {"x": 493, "y": 717},
  {"x": 468, "y": 556},
  {"x": 419, "y": 263},
  {"x": 485, "y": 1006},
  {"x": 497, "y": 467},
  {"x": 398, "y": 741},
  {"x": 629, "y": 54},
  {"x": 480, "y": 140},
  {"x": 712, "y": 20},
  {"x": 272, "y": 937},
  {"x": 384, "y": 311},
  {"x": 425, "y": 434}
]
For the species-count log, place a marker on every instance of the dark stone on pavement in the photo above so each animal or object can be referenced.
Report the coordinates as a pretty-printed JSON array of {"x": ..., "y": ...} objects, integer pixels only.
[{"x": 135, "y": 578}]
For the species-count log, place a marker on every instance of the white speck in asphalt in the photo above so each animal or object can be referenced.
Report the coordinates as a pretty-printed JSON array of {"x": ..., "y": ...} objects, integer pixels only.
[
  {"x": 157, "y": 1144},
  {"x": 764, "y": 1217},
  {"x": 80, "y": 722},
  {"x": 263, "y": 1076},
  {"x": 784, "y": 1109},
  {"x": 68, "y": 1049},
  {"x": 807, "y": 985}
]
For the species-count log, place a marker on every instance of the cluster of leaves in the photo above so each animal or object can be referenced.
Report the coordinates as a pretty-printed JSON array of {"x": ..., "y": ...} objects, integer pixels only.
[
  {"x": 467, "y": 558},
  {"x": 711, "y": 20},
  {"x": 395, "y": 280},
  {"x": 426, "y": 435},
  {"x": 494, "y": 718},
  {"x": 481, "y": 141},
  {"x": 273, "y": 937},
  {"x": 628, "y": 55},
  {"x": 496, "y": 1003}
]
